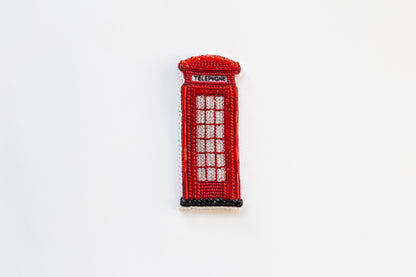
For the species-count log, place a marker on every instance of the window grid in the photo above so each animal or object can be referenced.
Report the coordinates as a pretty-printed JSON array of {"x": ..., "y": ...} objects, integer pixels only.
[{"x": 210, "y": 138}]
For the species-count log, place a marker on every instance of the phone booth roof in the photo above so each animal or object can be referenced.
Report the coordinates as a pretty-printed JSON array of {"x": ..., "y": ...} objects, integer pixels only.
[{"x": 209, "y": 63}]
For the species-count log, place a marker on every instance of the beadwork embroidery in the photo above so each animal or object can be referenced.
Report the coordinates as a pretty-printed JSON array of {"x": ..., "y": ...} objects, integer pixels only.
[{"x": 210, "y": 161}]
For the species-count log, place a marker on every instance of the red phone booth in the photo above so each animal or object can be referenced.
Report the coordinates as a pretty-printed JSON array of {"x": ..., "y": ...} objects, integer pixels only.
[{"x": 210, "y": 162}]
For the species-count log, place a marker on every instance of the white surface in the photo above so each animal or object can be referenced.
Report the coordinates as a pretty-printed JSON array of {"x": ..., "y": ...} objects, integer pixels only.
[{"x": 89, "y": 139}]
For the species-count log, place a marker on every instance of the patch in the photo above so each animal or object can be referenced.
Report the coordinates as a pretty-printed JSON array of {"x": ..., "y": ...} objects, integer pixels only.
[{"x": 210, "y": 159}]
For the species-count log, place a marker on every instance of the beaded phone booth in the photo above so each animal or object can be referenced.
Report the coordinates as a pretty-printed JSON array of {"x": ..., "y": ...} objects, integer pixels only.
[{"x": 210, "y": 161}]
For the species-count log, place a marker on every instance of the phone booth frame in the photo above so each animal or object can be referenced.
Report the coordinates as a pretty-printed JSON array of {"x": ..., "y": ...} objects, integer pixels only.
[{"x": 210, "y": 155}]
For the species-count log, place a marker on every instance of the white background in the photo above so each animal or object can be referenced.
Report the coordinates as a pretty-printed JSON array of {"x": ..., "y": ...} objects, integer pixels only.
[{"x": 89, "y": 138}]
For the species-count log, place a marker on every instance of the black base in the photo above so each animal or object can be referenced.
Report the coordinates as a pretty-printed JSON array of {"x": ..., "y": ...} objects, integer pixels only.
[{"x": 211, "y": 202}]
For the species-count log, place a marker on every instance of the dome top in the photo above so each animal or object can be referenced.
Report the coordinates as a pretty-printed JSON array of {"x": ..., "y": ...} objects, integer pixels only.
[{"x": 209, "y": 63}]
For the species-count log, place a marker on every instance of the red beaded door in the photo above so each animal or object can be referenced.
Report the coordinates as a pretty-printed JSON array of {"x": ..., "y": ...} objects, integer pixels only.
[{"x": 209, "y": 139}]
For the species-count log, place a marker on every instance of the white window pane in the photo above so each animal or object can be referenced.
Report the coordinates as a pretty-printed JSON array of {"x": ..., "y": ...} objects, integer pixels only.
[
  {"x": 221, "y": 174},
  {"x": 219, "y": 117},
  {"x": 220, "y": 131},
  {"x": 200, "y": 117},
  {"x": 210, "y": 159},
  {"x": 210, "y": 102},
  {"x": 211, "y": 174},
  {"x": 200, "y": 159},
  {"x": 201, "y": 174},
  {"x": 200, "y": 102},
  {"x": 220, "y": 160},
  {"x": 210, "y": 131},
  {"x": 200, "y": 145},
  {"x": 200, "y": 131},
  {"x": 210, "y": 116},
  {"x": 210, "y": 145},
  {"x": 219, "y": 102},
  {"x": 220, "y": 145}
]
